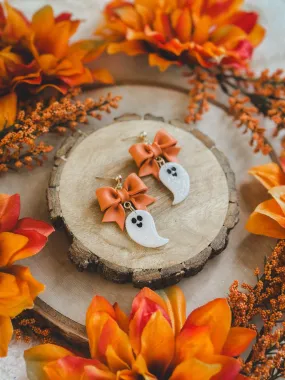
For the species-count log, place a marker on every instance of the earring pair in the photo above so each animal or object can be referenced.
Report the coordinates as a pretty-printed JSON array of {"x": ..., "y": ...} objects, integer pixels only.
[{"x": 159, "y": 159}]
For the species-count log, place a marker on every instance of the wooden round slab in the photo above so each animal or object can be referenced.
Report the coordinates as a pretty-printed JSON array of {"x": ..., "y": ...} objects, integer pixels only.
[{"x": 197, "y": 228}]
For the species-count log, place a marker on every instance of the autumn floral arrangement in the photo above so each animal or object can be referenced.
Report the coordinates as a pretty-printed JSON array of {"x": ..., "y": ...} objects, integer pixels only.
[
  {"x": 41, "y": 72},
  {"x": 214, "y": 41}
]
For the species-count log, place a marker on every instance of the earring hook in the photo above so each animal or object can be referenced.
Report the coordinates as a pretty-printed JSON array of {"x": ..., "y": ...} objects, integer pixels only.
[
  {"x": 142, "y": 137},
  {"x": 118, "y": 179}
]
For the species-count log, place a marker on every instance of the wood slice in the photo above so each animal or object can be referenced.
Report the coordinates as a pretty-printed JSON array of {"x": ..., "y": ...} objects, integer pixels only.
[{"x": 198, "y": 228}]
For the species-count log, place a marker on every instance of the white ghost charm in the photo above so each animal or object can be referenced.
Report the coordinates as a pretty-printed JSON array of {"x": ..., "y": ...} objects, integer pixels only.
[
  {"x": 176, "y": 179},
  {"x": 141, "y": 228}
]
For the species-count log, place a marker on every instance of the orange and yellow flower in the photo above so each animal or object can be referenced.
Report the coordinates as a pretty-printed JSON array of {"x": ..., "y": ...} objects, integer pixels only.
[
  {"x": 269, "y": 217},
  {"x": 176, "y": 32},
  {"x": 19, "y": 238},
  {"x": 37, "y": 54},
  {"x": 155, "y": 342}
]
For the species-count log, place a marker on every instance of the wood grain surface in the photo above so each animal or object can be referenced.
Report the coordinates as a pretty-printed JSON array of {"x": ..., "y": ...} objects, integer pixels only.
[{"x": 198, "y": 228}]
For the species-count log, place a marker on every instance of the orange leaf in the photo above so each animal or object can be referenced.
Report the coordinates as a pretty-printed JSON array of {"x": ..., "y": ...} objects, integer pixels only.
[
  {"x": 217, "y": 316},
  {"x": 6, "y": 332},
  {"x": 39, "y": 356},
  {"x": 176, "y": 307},
  {"x": 194, "y": 369},
  {"x": 238, "y": 340},
  {"x": 270, "y": 175},
  {"x": 158, "y": 335},
  {"x": 9, "y": 211},
  {"x": 8, "y": 110}
]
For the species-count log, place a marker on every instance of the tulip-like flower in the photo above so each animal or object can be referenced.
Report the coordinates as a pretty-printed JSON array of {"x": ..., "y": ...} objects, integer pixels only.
[
  {"x": 19, "y": 238},
  {"x": 155, "y": 342},
  {"x": 269, "y": 217},
  {"x": 177, "y": 32}
]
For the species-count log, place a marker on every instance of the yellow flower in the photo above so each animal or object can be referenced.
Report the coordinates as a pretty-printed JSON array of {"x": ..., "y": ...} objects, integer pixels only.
[{"x": 155, "y": 342}]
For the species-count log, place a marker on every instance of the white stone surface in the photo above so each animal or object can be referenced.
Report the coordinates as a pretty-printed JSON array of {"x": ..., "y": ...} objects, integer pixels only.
[{"x": 244, "y": 252}]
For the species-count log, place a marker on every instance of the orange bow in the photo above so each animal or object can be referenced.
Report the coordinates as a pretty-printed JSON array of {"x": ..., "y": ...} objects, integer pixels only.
[
  {"x": 145, "y": 154},
  {"x": 111, "y": 200}
]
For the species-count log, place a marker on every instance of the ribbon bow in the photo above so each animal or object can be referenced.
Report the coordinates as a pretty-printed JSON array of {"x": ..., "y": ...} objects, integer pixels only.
[
  {"x": 145, "y": 154},
  {"x": 111, "y": 200}
]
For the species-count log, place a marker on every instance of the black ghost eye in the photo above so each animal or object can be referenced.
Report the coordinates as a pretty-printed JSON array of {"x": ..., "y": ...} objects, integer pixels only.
[
  {"x": 140, "y": 218},
  {"x": 173, "y": 169},
  {"x": 140, "y": 224},
  {"x": 168, "y": 171},
  {"x": 134, "y": 220},
  {"x": 174, "y": 174}
]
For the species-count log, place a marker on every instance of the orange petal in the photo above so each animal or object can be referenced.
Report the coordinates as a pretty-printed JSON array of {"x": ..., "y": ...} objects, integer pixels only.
[
  {"x": 9, "y": 211},
  {"x": 98, "y": 313},
  {"x": 141, "y": 317},
  {"x": 17, "y": 25},
  {"x": 157, "y": 344},
  {"x": 24, "y": 274},
  {"x": 103, "y": 76},
  {"x": 228, "y": 36},
  {"x": 78, "y": 79},
  {"x": 6, "y": 332},
  {"x": 257, "y": 35},
  {"x": 261, "y": 224},
  {"x": 95, "y": 373},
  {"x": 47, "y": 62},
  {"x": 272, "y": 209},
  {"x": 161, "y": 63},
  {"x": 10, "y": 244},
  {"x": 194, "y": 369},
  {"x": 114, "y": 345},
  {"x": 39, "y": 226},
  {"x": 238, "y": 340},
  {"x": 217, "y": 316},
  {"x": 278, "y": 193},
  {"x": 121, "y": 318},
  {"x": 150, "y": 295},
  {"x": 176, "y": 307},
  {"x": 73, "y": 368},
  {"x": 270, "y": 175},
  {"x": 193, "y": 341},
  {"x": 184, "y": 26},
  {"x": 39, "y": 356},
  {"x": 230, "y": 367},
  {"x": 201, "y": 31},
  {"x": 8, "y": 110},
  {"x": 89, "y": 49},
  {"x": 129, "y": 16},
  {"x": 140, "y": 368},
  {"x": 131, "y": 48},
  {"x": 43, "y": 21}
]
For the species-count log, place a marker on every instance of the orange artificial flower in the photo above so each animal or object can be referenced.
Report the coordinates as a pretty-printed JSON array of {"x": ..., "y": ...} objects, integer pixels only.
[
  {"x": 155, "y": 342},
  {"x": 19, "y": 238},
  {"x": 177, "y": 32},
  {"x": 269, "y": 217},
  {"x": 37, "y": 54}
]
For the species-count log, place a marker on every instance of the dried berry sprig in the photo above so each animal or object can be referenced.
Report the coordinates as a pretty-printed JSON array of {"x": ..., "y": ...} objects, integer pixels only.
[
  {"x": 267, "y": 301},
  {"x": 19, "y": 146},
  {"x": 202, "y": 90},
  {"x": 246, "y": 115}
]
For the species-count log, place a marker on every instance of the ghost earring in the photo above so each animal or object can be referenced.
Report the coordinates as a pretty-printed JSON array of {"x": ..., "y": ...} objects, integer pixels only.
[
  {"x": 160, "y": 160},
  {"x": 130, "y": 196}
]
